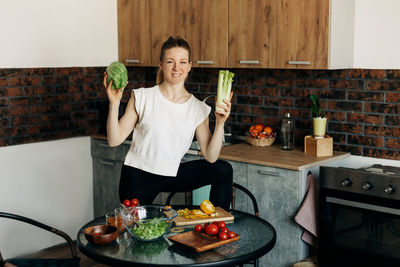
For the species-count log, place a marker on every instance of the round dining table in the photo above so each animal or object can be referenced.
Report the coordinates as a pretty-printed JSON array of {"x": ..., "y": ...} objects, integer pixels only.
[{"x": 257, "y": 238}]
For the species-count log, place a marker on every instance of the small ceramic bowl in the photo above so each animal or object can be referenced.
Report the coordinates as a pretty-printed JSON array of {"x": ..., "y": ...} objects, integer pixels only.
[{"x": 101, "y": 234}]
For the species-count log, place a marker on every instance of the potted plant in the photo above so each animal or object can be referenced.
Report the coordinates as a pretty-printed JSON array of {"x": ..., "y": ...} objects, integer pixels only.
[{"x": 319, "y": 118}]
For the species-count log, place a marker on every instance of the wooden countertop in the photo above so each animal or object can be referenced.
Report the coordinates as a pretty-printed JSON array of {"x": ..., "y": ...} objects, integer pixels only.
[
  {"x": 271, "y": 156},
  {"x": 274, "y": 156}
]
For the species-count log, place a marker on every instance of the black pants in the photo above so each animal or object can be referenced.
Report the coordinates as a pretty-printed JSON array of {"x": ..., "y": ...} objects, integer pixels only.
[{"x": 191, "y": 175}]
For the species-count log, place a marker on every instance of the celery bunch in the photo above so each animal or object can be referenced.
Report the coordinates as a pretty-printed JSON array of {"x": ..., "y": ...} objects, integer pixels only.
[{"x": 225, "y": 79}]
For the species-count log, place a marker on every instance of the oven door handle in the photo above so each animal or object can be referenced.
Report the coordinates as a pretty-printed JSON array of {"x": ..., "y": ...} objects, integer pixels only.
[{"x": 362, "y": 205}]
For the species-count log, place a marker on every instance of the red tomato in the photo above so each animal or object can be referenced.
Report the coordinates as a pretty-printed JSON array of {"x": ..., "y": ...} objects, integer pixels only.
[
  {"x": 225, "y": 229},
  {"x": 134, "y": 202},
  {"x": 198, "y": 228},
  {"x": 221, "y": 224},
  {"x": 212, "y": 229},
  {"x": 127, "y": 203},
  {"x": 223, "y": 236},
  {"x": 205, "y": 226},
  {"x": 231, "y": 234}
]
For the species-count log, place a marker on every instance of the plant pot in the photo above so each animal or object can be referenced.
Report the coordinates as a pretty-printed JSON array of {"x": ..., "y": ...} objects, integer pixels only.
[{"x": 319, "y": 125}]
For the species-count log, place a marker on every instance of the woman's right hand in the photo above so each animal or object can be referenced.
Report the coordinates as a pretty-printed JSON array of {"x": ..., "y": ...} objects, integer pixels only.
[{"x": 114, "y": 95}]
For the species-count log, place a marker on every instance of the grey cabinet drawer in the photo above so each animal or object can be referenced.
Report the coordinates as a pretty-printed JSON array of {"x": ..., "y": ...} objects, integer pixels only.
[{"x": 100, "y": 148}]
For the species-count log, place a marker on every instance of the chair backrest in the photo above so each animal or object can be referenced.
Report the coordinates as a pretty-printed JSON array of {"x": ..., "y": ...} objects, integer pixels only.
[
  {"x": 16, "y": 217},
  {"x": 188, "y": 198},
  {"x": 248, "y": 193}
]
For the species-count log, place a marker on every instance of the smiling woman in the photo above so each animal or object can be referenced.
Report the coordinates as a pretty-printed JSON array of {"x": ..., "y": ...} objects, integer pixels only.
[{"x": 165, "y": 119}]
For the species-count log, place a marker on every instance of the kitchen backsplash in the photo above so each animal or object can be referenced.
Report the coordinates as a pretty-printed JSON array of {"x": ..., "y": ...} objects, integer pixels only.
[{"x": 363, "y": 105}]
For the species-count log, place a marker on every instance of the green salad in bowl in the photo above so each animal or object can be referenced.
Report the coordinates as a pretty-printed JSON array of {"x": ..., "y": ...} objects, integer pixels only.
[{"x": 149, "y": 222}]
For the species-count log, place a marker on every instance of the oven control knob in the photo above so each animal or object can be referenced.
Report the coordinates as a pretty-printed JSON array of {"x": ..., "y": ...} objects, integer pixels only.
[
  {"x": 346, "y": 182},
  {"x": 389, "y": 189},
  {"x": 367, "y": 186}
]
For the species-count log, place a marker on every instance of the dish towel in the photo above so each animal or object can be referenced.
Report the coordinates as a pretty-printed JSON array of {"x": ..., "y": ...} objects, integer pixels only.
[{"x": 307, "y": 216}]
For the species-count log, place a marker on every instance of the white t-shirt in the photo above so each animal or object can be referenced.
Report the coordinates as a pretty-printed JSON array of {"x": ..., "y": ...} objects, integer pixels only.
[{"x": 164, "y": 131}]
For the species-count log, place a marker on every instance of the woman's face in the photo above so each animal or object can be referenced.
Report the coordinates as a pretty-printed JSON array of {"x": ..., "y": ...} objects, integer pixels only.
[{"x": 176, "y": 65}]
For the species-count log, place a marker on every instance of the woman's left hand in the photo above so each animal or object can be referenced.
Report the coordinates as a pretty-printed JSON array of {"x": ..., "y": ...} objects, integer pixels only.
[{"x": 223, "y": 113}]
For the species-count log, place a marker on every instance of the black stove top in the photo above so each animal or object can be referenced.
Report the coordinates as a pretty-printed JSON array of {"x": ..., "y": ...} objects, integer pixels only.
[
  {"x": 378, "y": 168},
  {"x": 375, "y": 180}
]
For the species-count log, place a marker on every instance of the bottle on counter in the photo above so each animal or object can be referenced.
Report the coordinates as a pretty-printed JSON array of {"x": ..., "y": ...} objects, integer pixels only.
[{"x": 287, "y": 131}]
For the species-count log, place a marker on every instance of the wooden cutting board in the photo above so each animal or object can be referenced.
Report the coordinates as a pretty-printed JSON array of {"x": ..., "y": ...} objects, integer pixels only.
[
  {"x": 223, "y": 215},
  {"x": 199, "y": 241}
]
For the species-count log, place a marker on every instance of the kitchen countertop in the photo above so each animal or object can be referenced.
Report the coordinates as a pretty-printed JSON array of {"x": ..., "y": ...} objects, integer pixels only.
[
  {"x": 271, "y": 156},
  {"x": 274, "y": 156}
]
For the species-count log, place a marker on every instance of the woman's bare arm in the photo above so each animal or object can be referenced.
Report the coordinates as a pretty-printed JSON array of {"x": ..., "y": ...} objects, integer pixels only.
[{"x": 118, "y": 131}]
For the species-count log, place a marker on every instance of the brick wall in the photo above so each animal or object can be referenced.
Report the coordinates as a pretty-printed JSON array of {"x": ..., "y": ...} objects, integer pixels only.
[{"x": 363, "y": 106}]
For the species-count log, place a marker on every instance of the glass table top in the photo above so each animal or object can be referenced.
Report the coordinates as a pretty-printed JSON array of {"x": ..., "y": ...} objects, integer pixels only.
[{"x": 257, "y": 237}]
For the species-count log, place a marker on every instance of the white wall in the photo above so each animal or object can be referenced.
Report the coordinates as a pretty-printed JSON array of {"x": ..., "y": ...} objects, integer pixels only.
[
  {"x": 376, "y": 38},
  {"x": 51, "y": 182},
  {"x": 58, "y": 33}
]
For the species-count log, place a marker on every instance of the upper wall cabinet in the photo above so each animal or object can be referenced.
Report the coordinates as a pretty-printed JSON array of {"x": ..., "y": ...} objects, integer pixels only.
[
  {"x": 167, "y": 17},
  {"x": 315, "y": 34},
  {"x": 252, "y": 33},
  {"x": 207, "y": 32},
  {"x": 143, "y": 26},
  {"x": 303, "y": 33},
  {"x": 133, "y": 32}
]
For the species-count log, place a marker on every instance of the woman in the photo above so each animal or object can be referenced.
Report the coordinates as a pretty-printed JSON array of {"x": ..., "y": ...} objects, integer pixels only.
[{"x": 164, "y": 119}]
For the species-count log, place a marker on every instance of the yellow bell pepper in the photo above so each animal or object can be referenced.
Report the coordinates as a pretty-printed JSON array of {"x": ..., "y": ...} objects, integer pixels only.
[{"x": 207, "y": 207}]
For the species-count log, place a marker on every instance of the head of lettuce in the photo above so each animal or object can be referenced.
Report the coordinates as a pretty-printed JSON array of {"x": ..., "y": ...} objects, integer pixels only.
[{"x": 118, "y": 73}]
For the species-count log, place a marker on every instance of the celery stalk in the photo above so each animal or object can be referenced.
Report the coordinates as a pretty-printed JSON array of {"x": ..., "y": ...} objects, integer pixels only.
[{"x": 225, "y": 79}]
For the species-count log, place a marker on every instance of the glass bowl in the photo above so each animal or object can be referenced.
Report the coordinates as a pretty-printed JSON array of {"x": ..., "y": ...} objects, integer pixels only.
[{"x": 149, "y": 222}]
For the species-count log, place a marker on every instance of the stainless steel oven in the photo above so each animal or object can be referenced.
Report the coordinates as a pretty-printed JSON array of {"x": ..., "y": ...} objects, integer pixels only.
[{"x": 359, "y": 216}]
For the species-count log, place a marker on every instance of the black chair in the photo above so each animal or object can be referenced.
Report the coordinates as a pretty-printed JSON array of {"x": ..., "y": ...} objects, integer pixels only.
[
  {"x": 235, "y": 186},
  {"x": 36, "y": 262},
  {"x": 188, "y": 197}
]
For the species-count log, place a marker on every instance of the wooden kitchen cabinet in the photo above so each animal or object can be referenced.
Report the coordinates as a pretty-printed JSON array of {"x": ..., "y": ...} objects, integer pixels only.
[
  {"x": 143, "y": 25},
  {"x": 252, "y": 33},
  {"x": 167, "y": 17},
  {"x": 207, "y": 32},
  {"x": 314, "y": 34},
  {"x": 133, "y": 32},
  {"x": 303, "y": 33}
]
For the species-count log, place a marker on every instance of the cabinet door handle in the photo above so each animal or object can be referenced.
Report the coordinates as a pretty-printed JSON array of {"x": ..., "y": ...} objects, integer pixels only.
[
  {"x": 132, "y": 61},
  {"x": 298, "y": 62},
  {"x": 277, "y": 174},
  {"x": 255, "y": 62},
  {"x": 205, "y": 62},
  {"x": 108, "y": 163}
]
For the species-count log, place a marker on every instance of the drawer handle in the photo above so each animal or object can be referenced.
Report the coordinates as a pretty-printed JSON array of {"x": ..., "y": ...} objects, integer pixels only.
[
  {"x": 205, "y": 62},
  {"x": 132, "y": 61},
  {"x": 107, "y": 163},
  {"x": 298, "y": 62},
  {"x": 277, "y": 174},
  {"x": 255, "y": 62},
  {"x": 104, "y": 145}
]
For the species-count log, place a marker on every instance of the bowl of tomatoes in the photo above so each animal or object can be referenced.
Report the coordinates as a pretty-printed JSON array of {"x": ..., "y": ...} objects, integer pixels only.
[{"x": 261, "y": 135}]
